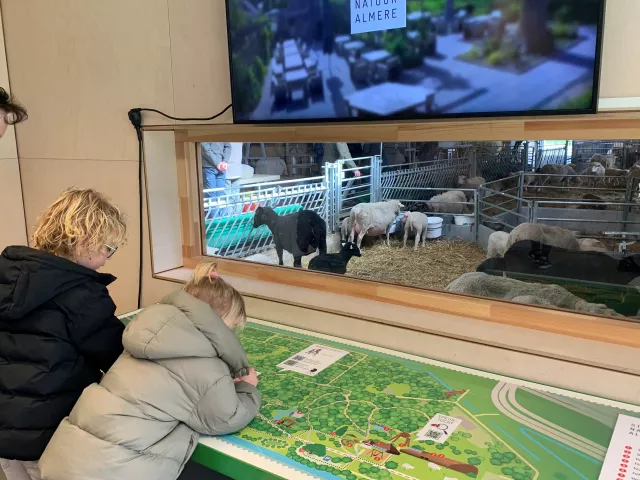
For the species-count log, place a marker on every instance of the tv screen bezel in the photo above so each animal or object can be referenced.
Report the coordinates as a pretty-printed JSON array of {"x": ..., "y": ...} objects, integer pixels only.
[{"x": 446, "y": 116}]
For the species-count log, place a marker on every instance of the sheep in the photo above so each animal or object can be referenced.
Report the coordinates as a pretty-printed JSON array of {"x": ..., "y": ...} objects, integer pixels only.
[
  {"x": 504, "y": 288},
  {"x": 497, "y": 244},
  {"x": 300, "y": 233},
  {"x": 453, "y": 201},
  {"x": 542, "y": 238},
  {"x": 592, "y": 245},
  {"x": 345, "y": 228},
  {"x": 419, "y": 224},
  {"x": 615, "y": 177},
  {"x": 335, "y": 262},
  {"x": 608, "y": 161},
  {"x": 373, "y": 219},
  {"x": 594, "y": 170},
  {"x": 559, "y": 174},
  {"x": 470, "y": 183}
]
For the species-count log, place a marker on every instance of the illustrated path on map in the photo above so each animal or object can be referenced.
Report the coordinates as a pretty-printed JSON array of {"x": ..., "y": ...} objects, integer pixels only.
[{"x": 360, "y": 419}]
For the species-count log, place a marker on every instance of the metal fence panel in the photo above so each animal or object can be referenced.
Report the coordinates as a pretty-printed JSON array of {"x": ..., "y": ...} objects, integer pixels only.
[
  {"x": 228, "y": 220},
  {"x": 433, "y": 174}
]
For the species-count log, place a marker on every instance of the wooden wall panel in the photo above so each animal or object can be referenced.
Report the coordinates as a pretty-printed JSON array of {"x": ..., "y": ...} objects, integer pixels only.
[
  {"x": 79, "y": 66},
  {"x": 200, "y": 60},
  {"x": 621, "y": 49}
]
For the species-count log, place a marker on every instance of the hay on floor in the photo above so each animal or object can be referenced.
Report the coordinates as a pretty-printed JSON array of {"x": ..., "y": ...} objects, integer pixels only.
[{"x": 434, "y": 266}]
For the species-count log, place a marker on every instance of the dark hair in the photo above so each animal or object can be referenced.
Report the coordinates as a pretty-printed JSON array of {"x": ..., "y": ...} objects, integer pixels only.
[{"x": 15, "y": 113}]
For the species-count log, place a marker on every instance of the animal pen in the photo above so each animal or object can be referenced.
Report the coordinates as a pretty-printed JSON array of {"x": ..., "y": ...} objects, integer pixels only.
[{"x": 502, "y": 203}]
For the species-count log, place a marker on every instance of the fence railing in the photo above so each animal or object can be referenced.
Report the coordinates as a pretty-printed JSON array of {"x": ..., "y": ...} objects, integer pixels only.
[{"x": 508, "y": 201}]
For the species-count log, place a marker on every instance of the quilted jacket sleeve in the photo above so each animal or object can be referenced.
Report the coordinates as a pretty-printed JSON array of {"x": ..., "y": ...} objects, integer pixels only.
[
  {"x": 95, "y": 330},
  {"x": 226, "y": 407}
]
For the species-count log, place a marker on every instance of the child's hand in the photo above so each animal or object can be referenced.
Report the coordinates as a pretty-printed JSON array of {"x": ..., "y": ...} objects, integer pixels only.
[{"x": 251, "y": 379}]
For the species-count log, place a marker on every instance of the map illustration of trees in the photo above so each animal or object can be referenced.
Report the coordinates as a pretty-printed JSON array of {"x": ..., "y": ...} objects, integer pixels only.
[{"x": 360, "y": 419}]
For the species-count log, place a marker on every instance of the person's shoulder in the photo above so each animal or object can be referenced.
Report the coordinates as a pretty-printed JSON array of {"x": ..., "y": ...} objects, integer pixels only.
[{"x": 86, "y": 297}]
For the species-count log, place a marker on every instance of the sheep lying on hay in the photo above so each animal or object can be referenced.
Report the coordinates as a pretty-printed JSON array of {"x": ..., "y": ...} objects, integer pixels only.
[
  {"x": 433, "y": 266},
  {"x": 504, "y": 288}
]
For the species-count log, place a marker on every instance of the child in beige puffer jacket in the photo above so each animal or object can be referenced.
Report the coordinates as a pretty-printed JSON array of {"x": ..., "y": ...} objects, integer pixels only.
[{"x": 183, "y": 374}]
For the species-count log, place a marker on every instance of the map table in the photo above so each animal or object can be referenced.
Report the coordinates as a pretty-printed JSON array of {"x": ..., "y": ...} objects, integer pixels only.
[{"x": 360, "y": 419}]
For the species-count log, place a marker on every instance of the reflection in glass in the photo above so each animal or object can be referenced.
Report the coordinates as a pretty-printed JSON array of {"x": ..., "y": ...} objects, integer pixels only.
[{"x": 446, "y": 216}]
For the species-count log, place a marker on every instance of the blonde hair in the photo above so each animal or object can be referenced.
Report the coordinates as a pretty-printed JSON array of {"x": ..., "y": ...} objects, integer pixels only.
[
  {"x": 226, "y": 301},
  {"x": 79, "y": 221}
]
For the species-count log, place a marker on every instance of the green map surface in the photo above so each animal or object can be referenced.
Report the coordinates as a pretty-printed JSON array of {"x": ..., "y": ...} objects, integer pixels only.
[{"x": 327, "y": 425}]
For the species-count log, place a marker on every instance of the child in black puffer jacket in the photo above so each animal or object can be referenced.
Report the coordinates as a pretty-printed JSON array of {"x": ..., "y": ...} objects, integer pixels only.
[{"x": 58, "y": 331}]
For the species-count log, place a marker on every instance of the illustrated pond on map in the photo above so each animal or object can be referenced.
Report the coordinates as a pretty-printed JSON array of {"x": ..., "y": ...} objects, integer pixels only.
[{"x": 361, "y": 418}]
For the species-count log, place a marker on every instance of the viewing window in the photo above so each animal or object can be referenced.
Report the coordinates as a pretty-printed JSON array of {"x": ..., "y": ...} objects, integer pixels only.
[{"x": 548, "y": 223}]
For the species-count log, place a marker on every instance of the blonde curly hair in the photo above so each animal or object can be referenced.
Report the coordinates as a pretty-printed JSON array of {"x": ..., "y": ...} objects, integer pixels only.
[
  {"x": 226, "y": 301},
  {"x": 79, "y": 222}
]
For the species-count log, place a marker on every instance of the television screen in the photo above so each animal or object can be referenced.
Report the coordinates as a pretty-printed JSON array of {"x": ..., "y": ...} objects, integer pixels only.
[{"x": 323, "y": 60}]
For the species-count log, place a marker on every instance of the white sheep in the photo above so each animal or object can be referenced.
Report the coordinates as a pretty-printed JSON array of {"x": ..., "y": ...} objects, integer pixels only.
[
  {"x": 373, "y": 219},
  {"x": 345, "y": 228},
  {"x": 434, "y": 466},
  {"x": 595, "y": 172},
  {"x": 592, "y": 245},
  {"x": 419, "y": 224},
  {"x": 559, "y": 174},
  {"x": 504, "y": 288},
  {"x": 608, "y": 161},
  {"x": 497, "y": 244},
  {"x": 470, "y": 183},
  {"x": 544, "y": 234},
  {"x": 453, "y": 201}
]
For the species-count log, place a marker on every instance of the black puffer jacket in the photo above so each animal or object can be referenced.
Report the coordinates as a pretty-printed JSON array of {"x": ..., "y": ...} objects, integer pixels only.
[{"x": 57, "y": 332}]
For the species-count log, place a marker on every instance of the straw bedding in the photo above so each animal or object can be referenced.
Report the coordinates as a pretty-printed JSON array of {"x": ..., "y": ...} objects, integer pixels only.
[{"x": 434, "y": 266}]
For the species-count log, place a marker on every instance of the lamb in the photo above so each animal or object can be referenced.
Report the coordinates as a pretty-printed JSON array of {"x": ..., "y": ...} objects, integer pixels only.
[
  {"x": 374, "y": 219},
  {"x": 559, "y": 174},
  {"x": 504, "y": 288},
  {"x": 300, "y": 233},
  {"x": 592, "y": 171},
  {"x": 335, "y": 262},
  {"x": 592, "y": 245},
  {"x": 345, "y": 228},
  {"x": 470, "y": 183},
  {"x": 453, "y": 201},
  {"x": 418, "y": 223},
  {"x": 543, "y": 238},
  {"x": 497, "y": 244}
]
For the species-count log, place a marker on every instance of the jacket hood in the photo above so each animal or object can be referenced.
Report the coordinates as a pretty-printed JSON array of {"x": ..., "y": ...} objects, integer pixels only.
[
  {"x": 30, "y": 278},
  {"x": 182, "y": 326}
]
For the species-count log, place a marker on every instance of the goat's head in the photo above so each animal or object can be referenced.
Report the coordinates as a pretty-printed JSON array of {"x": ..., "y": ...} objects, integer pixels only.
[{"x": 260, "y": 216}]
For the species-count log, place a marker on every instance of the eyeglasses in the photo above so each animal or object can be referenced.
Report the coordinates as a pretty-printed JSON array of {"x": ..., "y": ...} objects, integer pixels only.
[{"x": 110, "y": 251}]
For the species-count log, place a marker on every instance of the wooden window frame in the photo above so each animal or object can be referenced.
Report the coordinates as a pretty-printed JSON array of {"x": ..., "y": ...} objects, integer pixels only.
[{"x": 603, "y": 126}]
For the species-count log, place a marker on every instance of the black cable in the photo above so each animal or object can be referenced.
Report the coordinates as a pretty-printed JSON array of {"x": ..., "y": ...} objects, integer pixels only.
[{"x": 135, "y": 117}]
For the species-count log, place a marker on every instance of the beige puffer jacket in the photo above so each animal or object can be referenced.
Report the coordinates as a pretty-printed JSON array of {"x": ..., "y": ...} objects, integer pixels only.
[{"x": 173, "y": 382}]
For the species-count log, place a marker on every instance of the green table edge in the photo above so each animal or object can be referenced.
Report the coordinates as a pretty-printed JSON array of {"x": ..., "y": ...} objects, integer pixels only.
[{"x": 230, "y": 466}]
